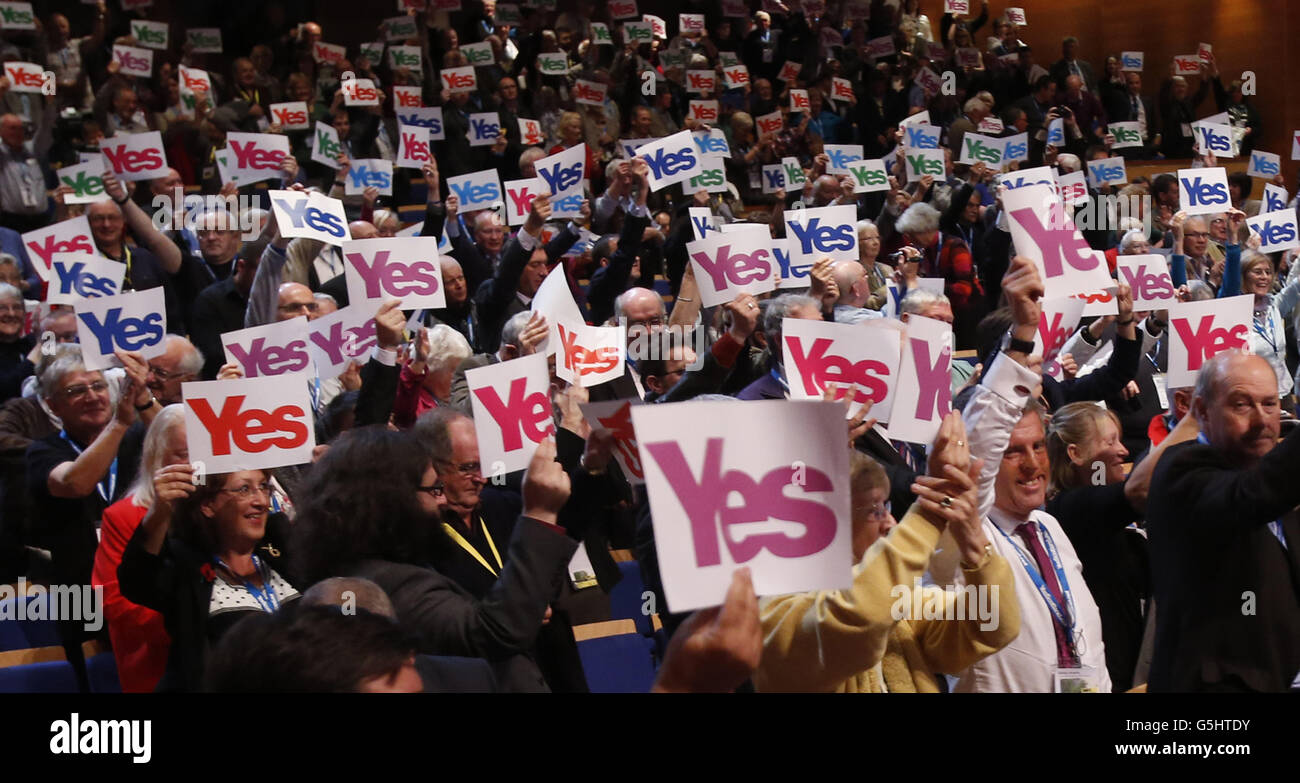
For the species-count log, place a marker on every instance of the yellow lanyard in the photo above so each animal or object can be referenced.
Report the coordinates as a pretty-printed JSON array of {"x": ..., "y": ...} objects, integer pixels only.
[{"x": 459, "y": 539}]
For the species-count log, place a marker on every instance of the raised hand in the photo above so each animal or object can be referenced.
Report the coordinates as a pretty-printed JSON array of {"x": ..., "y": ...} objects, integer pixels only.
[{"x": 716, "y": 649}]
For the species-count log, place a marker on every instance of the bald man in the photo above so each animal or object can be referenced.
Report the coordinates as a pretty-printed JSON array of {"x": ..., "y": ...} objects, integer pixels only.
[
  {"x": 855, "y": 289},
  {"x": 288, "y": 261},
  {"x": 461, "y": 313}
]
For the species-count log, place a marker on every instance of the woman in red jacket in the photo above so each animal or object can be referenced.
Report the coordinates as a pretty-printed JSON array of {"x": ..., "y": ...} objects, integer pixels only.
[
  {"x": 948, "y": 257},
  {"x": 140, "y": 642}
]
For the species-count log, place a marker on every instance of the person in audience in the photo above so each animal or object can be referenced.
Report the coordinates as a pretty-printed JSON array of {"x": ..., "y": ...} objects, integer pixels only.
[
  {"x": 1223, "y": 538},
  {"x": 140, "y": 640},
  {"x": 1268, "y": 328},
  {"x": 865, "y": 639},
  {"x": 947, "y": 257},
  {"x": 425, "y": 381},
  {"x": 15, "y": 347},
  {"x": 206, "y": 554}
]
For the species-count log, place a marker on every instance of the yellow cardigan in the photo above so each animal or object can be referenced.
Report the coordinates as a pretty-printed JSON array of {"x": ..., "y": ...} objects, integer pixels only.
[{"x": 832, "y": 640}]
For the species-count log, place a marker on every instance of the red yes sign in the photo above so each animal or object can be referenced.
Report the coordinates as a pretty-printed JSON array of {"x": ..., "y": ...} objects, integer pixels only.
[{"x": 252, "y": 430}]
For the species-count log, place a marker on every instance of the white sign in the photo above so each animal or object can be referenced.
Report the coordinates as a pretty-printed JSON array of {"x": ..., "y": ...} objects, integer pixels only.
[
  {"x": 725, "y": 493},
  {"x": 671, "y": 160},
  {"x": 291, "y": 115},
  {"x": 311, "y": 215},
  {"x": 369, "y": 173},
  {"x": 340, "y": 338},
  {"x": 25, "y": 77},
  {"x": 1127, "y": 134},
  {"x": 925, "y": 163},
  {"x": 328, "y": 53},
  {"x": 822, "y": 232},
  {"x": 842, "y": 156},
  {"x": 727, "y": 265},
  {"x": 1073, "y": 188},
  {"x": 1107, "y": 171},
  {"x": 589, "y": 355},
  {"x": 869, "y": 176},
  {"x": 360, "y": 92},
  {"x": 327, "y": 145},
  {"x": 1015, "y": 148},
  {"x": 799, "y": 101},
  {"x": 17, "y": 16},
  {"x": 1187, "y": 65},
  {"x": 133, "y": 321},
  {"x": 553, "y": 63},
  {"x": 615, "y": 417},
  {"x": 1216, "y": 138},
  {"x": 151, "y": 35},
  {"x": 588, "y": 93},
  {"x": 1275, "y": 198},
  {"x": 1264, "y": 165},
  {"x": 1148, "y": 278},
  {"x": 1131, "y": 61},
  {"x": 394, "y": 268},
  {"x": 1203, "y": 191},
  {"x": 135, "y": 156},
  {"x": 1016, "y": 16},
  {"x": 1041, "y": 231},
  {"x": 519, "y": 198},
  {"x": 704, "y": 111},
  {"x": 429, "y": 117},
  {"x": 67, "y": 236},
  {"x": 405, "y": 97},
  {"x": 735, "y": 76},
  {"x": 257, "y": 156},
  {"x": 413, "y": 149},
  {"x": 977, "y": 148},
  {"x": 819, "y": 353},
  {"x": 924, "y": 392},
  {"x": 479, "y": 190},
  {"x": 1200, "y": 330},
  {"x": 773, "y": 177},
  {"x": 249, "y": 423},
  {"x": 86, "y": 180},
  {"x": 78, "y": 276},
  {"x": 272, "y": 349},
  {"x": 512, "y": 411},
  {"x": 1277, "y": 231},
  {"x": 133, "y": 60},
  {"x": 484, "y": 128}
]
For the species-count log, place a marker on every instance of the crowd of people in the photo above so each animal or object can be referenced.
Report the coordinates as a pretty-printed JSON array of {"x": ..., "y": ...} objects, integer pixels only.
[{"x": 1122, "y": 524}]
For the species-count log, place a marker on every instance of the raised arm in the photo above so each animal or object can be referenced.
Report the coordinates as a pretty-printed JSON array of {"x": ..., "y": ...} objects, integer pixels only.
[{"x": 142, "y": 226}]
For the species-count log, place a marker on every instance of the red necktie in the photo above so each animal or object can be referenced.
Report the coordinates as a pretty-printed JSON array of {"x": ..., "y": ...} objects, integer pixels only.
[{"x": 1064, "y": 650}]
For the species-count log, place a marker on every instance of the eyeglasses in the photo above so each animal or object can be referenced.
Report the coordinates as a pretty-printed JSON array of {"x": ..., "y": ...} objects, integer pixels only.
[
  {"x": 467, "y": 469},
  {"x": 435, "y": 489},
  {"x": 648, "y": 323},
  {"x": 165, "y": 376},
  {"x": 11, "y": 308},
  {"x": 248, "y": 489},
  {"x": 1196, "y": 234},
  {"x": 878, "y": 512},
  {"x": 80, "y": 390},
  {"x": 310, "y": 307}
]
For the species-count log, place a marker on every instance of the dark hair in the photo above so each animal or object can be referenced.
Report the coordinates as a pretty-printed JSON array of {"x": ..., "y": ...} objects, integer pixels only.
[
  {"x": 1043, "y": 81},
  {"x": 990, "y": 330},
  {"x": 360, "y": 501},
  {"x": 1162, "y": 183},
  {"x": 331, "y": 425},
  {"x": 306, "y": 649},
  {"x": 1243, "y": 182}
]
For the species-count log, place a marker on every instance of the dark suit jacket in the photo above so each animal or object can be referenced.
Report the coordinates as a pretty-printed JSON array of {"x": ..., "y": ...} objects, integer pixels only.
[
  {"x": 454, "y": 674},
  {"x": 1228, "y": 592},
  {"x": 1060, "y": 71},
  {"x": 503, "y": 625}
]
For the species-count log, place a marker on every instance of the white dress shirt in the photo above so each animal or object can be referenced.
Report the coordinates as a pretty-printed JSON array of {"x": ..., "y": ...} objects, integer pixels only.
[{"x": 1029, "y": 663}]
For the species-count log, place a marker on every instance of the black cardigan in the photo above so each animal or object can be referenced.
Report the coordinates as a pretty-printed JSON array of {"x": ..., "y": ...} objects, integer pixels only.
[{"x": 175, "y": 583}]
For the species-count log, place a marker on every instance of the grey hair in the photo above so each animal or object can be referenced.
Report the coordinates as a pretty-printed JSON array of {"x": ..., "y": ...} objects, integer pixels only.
[
  {"x": 1130, "y": 237},
  {"x": 67, "y": 359},
  {"x": 433, "y": 430},
  {"x": 974, "y": 104},
  {"x": 8, "y": 291},
  {"x": 1214, "y": 372},
  {"x": 1069, "y": 161},
  {"x": 510, "y": 331},
  {"x": 447, "y": 348},
  {"x": 191, "y": 358},
  {"x": 776, "y": 311},
  {"x": 153, "y": 451},
  {"x": 7, "y": 259},
  {"x": 865, "y": 223},
  {"x": 365, "y": 595},
  {"x": 920, "y": 218},
  {"x": 321, "y": 296},
  {"x": 1199, "y": 291},
  {"x": 918, "y": 299},
  {"x": 628, "y": 294}
]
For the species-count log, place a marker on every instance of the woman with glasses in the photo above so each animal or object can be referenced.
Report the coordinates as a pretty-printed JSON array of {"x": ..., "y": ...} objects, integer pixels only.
[
  {"x": 1268, "y": 327},
  {"x": 868, "y": 638},
  {"x": 205, "y": 555},
  {"x": 15, "y": 348}
]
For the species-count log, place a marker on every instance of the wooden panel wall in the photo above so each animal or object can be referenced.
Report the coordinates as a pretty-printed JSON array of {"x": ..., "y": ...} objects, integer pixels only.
[{"x": 1255, "y": 35}]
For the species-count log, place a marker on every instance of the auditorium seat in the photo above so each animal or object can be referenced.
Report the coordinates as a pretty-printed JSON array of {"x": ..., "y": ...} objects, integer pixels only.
[
  {"x": 615, "y": 657},
  {"x": 22, "y": 634}
]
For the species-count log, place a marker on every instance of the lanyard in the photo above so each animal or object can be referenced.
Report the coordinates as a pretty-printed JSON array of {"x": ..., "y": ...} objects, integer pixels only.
[
  {"x": 1268, "y": 337},
  {"x": 244, "y": 94},
  {"x": 264, "y": 595},
  {"x": 1058, "y": 612},
  {"x": 112, "y": 471},
  {"x": 785, "y": 386},
  {"x": 460, "y": 540}
]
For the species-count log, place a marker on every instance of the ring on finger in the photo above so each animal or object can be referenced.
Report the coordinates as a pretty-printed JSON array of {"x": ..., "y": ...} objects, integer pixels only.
[{"x": 947, "y": 502}]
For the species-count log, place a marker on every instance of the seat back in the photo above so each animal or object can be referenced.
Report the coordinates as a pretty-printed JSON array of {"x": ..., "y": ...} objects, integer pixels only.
[{"x": 615, "y": 657}]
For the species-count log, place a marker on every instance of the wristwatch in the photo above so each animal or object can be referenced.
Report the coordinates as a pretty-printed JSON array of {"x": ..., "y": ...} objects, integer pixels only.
[
  {"x": 1011, "y": 343},
  {"x": 147, "y": 405}
]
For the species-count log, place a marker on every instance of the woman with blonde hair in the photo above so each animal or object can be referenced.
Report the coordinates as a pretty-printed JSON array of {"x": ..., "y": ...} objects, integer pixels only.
[{"x": 1100, "y": 509}]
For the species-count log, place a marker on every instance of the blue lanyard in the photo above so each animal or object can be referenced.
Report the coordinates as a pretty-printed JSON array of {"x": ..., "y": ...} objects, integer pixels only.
[
  {"x": 785, "y": 387},
  {"x": 264, "y": 595},
  {"x": 1058, "y": 612},
  {"x": 112, "y": 471},
  {"x": 1268, "y": 338}
]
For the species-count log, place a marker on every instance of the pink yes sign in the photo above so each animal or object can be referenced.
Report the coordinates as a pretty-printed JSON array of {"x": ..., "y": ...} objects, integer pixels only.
[
  {"x": 512, "y": 412},
  {"x": 1041, "y": 230},
  {"x": 1056, "y": 323},
  {"x": 862, "y": 356},
  {"x": 924, "y": 393},
  {"x": 726, "y": 493}
]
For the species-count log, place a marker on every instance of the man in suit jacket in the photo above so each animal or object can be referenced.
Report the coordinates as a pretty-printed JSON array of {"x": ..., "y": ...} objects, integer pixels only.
[
  {"x": 1224, "y": 534},
  {"x": 1132, "y": 106},
  {"x": 1071, "y": 65}
]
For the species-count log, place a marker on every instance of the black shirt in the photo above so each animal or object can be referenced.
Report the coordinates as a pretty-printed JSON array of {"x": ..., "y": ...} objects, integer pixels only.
[
  {"x": 14, "y": 367},
  {"x": 219, "y": 308},
  {"x": 67, "y": 526}
]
